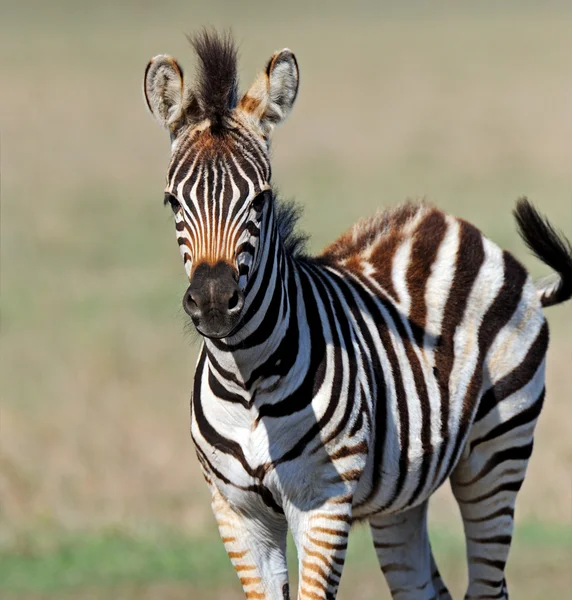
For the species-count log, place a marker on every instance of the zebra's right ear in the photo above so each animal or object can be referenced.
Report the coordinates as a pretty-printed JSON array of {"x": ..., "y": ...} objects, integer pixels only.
[{"x": 167, "y": 96}]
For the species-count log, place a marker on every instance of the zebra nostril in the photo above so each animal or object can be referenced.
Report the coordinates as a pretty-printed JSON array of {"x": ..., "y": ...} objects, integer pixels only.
[
  {"x": 235, "y": 302},
  {"x": 191, "y": 300},
  {"x": 190, "y": 305}
]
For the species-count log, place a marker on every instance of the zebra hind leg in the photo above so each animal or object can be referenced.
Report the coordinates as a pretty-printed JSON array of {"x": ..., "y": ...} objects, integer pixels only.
[
  {"x": 404, "y": 552},
  {"x": 485, "y": 484}
]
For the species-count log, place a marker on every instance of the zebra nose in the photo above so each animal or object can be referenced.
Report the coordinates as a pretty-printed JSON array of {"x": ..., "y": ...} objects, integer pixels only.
[
  {"x": 195, "y": 304},
  {"x": 213, "y": 300}
]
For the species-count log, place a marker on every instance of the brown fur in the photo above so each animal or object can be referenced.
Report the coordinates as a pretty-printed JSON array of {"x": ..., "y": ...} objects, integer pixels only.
[
  {"x": 249, "y": 104},
  {"x": 375, "y": 240},
  {"x": 371, "y": 231}
]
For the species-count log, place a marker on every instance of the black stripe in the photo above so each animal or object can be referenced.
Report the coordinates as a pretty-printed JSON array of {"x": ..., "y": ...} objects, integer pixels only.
[
  {"x": 513, "y": 453},
  {"x": 348, "y": 341},
  {"x": 378, "y": 386},
  {"x": 337, "y": 367},
  {"x": 524, "y": 417},
  {"x": 517, "y": 378},
  {"x": 218, "y": 389},
  {"x": 301, "y": 397},
  {"x": 505, "y": 511},
  {"x": 401, "y": 398},
  {"x": 508, "y": 486},
  {"x": 495, "y": 318},
  {"x": 209, "y": 433},
  {"x": 261, "y": 490}
]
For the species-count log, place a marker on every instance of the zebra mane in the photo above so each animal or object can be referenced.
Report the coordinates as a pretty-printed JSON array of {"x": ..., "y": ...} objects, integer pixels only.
[
  {"x": 287, "y": 214},
  {"x": 216, "y": 86}
]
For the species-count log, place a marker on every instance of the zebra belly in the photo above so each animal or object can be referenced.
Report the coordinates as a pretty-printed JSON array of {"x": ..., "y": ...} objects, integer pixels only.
[{"x": 394, "y": 492}]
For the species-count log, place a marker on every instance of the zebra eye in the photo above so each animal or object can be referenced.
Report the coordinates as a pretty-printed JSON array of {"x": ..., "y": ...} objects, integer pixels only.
[
  {"x": 172, "y": 201},
  {"x": 258, "y": 202}
]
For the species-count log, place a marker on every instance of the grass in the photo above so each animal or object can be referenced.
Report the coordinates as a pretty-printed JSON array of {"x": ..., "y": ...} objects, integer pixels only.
[
  {"x": 101, "y": 563},
  {"x": 467, "y": 105}
]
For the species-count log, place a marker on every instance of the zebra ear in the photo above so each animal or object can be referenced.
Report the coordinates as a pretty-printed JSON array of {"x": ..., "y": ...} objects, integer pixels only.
[
  {"x": 272, "y": 95},
  {"x": 168, "y": 99}
]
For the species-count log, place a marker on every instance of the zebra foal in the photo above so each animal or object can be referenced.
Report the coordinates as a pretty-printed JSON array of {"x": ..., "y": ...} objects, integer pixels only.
[{"x": 349, "y": 385}]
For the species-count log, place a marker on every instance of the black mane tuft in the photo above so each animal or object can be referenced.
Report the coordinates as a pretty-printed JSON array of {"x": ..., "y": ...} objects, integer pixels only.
[
  {"x": 287, "y": 214},
  {"x": 216, "y": 87}
]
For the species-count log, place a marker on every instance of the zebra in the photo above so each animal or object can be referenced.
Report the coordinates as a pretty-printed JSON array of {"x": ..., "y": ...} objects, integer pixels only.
[{"x": 351, "y": 385}]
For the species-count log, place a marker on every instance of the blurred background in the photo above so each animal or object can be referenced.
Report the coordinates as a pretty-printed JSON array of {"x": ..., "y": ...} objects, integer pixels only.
[{"x": 467, "y": 104}]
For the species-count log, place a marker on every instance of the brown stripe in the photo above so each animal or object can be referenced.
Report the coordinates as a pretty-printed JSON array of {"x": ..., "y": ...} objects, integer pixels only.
[
  {"x": 328, "y": 545},
  {"x": 344, "y": 518},
  {"x": 382, "y": 258},
  {"x": 305, "y": 593},
  {"x": 250, "y": 580},
  {"x": 470, "y": 257},
  {"x": 317, "y": 555},
  {"x": 313, "y": 567},
  {"x": 428, "y": 237},
  {"x": 312, "y": 581},
  {"x": 345, "y": 451},
  {"x": 328, "y": 531}
]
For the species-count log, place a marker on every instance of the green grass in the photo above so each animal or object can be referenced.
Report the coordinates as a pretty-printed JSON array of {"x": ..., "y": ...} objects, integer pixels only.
[{"x": 110, "y": 559}]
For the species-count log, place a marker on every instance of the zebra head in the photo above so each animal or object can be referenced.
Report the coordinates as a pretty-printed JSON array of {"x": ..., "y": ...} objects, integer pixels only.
[{"x": 218, "y": 182}]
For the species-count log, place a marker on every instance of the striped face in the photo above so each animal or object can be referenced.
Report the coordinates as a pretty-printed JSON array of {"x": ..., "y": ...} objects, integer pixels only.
[
  {"x": 217, "y": 187},
  {"x": 219, "y": 190},
  {"x": 218, "y": 183}
]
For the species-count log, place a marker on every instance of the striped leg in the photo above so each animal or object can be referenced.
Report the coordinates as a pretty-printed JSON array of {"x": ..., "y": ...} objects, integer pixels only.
[
  {"x": 485, "y": 484},
  {"x": 402, "y": 545},
  {"x": 257, "y": 550},
  {"x": 321, "y": 538}
]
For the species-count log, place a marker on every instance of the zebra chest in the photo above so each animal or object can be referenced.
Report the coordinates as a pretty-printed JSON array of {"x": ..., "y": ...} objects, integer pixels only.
[
  {"x": 229, "y": 439},
  {"x": 249, "y": 459}
]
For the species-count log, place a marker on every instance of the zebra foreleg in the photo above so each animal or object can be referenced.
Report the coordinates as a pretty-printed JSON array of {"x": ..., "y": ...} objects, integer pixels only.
[
  {"x": 321, "y": 538},
  {"x": 404, "y": 552},
  {"x": 256, "y": 548}
]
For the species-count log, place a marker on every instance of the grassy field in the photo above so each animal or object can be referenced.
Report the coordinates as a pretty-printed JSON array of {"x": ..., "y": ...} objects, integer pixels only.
[{"x": 100, "y": 492}]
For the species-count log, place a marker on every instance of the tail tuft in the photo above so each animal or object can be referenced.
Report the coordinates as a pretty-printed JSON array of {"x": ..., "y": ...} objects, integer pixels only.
[{"x": 551, "y": 247}]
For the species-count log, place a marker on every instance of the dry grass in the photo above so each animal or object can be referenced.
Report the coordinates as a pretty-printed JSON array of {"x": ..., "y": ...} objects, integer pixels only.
[{"x": 470, "y": 109}]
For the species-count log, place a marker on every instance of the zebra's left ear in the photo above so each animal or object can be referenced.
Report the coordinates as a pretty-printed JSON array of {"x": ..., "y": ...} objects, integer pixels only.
[{"x": 271, "y": 97}]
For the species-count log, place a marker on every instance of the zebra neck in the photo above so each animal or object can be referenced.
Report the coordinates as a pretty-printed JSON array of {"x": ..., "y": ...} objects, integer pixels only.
[{"x": 258, "y": 355}]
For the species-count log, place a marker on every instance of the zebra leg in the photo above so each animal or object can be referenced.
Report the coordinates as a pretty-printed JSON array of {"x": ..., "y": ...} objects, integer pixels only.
[
  {"x": 404, "y": 552},
  {"x": 486, "y": 481},
  {"x": 256, "y": 548},
  {"x": 321, "y": 537}
]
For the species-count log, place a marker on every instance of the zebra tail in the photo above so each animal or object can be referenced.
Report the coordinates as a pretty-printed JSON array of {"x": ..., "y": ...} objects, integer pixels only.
[{"x": 551, "y": 247}]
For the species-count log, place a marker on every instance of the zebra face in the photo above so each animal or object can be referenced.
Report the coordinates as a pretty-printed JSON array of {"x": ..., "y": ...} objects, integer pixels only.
[
  {"x": 218, "y": 183},
  {"x": 220, "y": 194}
]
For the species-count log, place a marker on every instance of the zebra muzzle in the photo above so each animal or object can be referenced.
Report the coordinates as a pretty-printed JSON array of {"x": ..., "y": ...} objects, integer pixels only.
[{"x": 213, "y": 300}]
